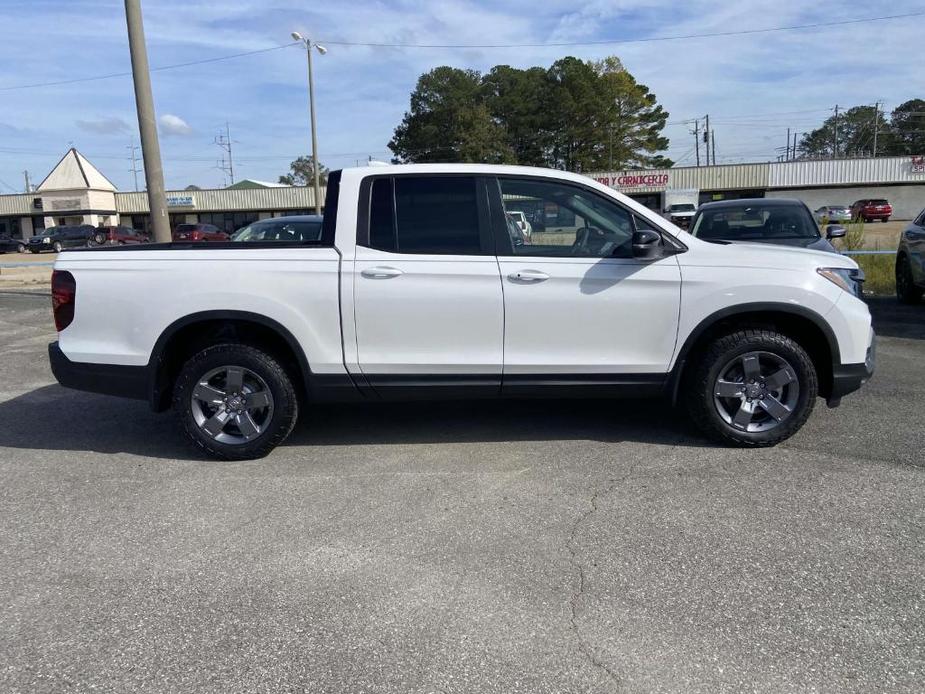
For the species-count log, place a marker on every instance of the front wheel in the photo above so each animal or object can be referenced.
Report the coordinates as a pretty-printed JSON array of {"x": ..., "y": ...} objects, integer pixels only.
[
  {"x": 235, "y": 401},
  {"x": 751, "y": 387},
  {"x": 57, "y": 247},
  {"x": 20, "y": 248}
]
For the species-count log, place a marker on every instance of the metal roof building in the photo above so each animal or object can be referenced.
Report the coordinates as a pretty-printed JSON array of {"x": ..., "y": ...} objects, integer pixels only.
[{"x": 75, "y": 192}]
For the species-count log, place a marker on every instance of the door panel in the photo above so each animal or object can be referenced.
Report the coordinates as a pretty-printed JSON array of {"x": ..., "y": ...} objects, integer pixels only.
[
  {"x": 590, "y": 316},
  {"x": 576, "y": 301},
  {"x": 427, "y": 292},
  {"x": 428, "y": 314}
]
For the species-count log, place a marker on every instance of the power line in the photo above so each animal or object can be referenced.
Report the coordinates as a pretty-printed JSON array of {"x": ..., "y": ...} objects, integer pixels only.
[
  {"x": 153, "y": 69},
  {"x": 555, "y": 44},
  {"x": 607, "y": 42}
]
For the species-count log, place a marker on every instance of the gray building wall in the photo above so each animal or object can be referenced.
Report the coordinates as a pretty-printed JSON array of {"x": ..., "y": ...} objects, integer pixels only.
[{"x": 907, "y": 200}]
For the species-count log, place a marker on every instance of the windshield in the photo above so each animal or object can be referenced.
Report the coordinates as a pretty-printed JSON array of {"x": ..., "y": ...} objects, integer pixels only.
[
  {"x": 755, "y": 221},
  {"x": 686, "y": 207},
  {"x": 279, "y": 230}
]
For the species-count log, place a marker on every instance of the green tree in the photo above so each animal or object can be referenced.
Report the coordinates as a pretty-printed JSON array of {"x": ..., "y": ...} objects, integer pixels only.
[
  {"x": 907, "y": 129},
  {"x": 633, "y": 118},
  {"x": 575, "y": 115},
  {"x": 448, "y": 122},
  {"x": 517, "y": 101},
  {"x": 855, "y": 134},
  {"x": 301, "y": 172}
]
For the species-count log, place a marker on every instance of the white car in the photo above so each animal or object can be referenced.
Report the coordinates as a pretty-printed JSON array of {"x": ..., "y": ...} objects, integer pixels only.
[
  {"x": 520, "y": 219},
  {"x": 416, "y": 288},
  {"x": 832, "y": 214}
]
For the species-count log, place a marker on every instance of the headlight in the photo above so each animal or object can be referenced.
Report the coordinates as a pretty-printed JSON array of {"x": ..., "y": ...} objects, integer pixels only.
[
  {"x": 46, "y": 240},
  {"x": 849, "y": 279}
]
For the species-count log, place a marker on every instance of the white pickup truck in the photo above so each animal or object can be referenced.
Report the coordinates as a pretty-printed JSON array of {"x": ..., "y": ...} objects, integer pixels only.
[{"x": 419, "y": 287}]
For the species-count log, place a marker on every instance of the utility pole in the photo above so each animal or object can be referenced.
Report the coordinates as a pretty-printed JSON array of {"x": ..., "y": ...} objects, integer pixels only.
[
  {"x": 224, "y": 141},
  {"x": 316, "y": 164},
  {"x": 788, "y": 143},
  {"x": 876, "y": 124},
  {"x": 134, "y": 157},
  {"x": 836, "y": 131},
  {"x": 713, "y": 146},
  {"x": 28, "y": 182},
  {"x": 147, "y": 125},
  {"x": 706, "y": 140},
  {"x": 794, "y": 145},
  {"x": 697, "y": 139}
]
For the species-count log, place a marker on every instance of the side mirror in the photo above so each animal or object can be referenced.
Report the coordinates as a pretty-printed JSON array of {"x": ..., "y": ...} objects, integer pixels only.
[
  {"x": 647, "y": 244},
  {"x": 835, "y": 231}
]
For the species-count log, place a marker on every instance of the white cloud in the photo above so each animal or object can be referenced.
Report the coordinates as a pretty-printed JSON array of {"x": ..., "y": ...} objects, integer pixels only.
[
  {"x": 174, "y": 125},
  {"x": 104, "y": 126}
]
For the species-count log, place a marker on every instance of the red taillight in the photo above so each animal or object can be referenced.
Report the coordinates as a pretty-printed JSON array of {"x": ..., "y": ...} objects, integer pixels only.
[{"x": 63, "y": 295}]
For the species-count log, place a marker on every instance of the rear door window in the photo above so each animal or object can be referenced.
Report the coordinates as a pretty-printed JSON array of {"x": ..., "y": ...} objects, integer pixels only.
[{"x": 425, "y": 215}]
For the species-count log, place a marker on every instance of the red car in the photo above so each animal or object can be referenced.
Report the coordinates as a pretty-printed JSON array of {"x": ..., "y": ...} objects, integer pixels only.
[
  {"x": 871, "y": 209},
  {"x": 199, "y": 232},
  {"x": 117, "y": 236}
]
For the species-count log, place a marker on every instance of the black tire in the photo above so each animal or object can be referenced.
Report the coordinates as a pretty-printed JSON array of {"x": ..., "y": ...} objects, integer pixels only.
[
  {"x": 21, "y": 248},
  {"x": 57, "y": 247},
  {"x": 906, "y": 291},
  {"x": 282, "y": 415},
  {"x": 885, "y": 220},
  {"x": 99, "y": 239},
  {"x": 701, "y": 382}
]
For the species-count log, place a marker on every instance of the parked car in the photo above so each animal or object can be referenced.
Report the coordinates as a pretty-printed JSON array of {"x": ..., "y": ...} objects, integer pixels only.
[
  {"x": 910, "y": 261},
  {"x": 296, "y": 228},
  {"x": 763, "y": 220},
  {"x": 829, "y": 214},
  {"x": 11, "y": 245},
  {"x": 199, "y": 232},
  {"x": 520, "y": 219},
  {"x": 415, "y": 289},
  {"x": 58, "y": 238},
  {"x": 118, "y": 236},
  {"x": 871, "y": 209},
  {"x": 681, "y": 214}
]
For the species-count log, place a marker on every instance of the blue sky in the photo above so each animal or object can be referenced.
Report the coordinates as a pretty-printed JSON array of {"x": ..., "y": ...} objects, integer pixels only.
[{"x": 753, "y": 86}]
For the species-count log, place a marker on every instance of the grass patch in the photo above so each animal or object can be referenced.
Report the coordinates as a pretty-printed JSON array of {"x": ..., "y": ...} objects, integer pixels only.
[{"x": 880, "y": 273}]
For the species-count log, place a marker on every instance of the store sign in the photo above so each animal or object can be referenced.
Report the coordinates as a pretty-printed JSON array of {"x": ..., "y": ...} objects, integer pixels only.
[
  {"x": 181, "y": 201},
  {"x": 66, "y": 204},
  {"x": 918, "y": 164},
  {"x": 635, "y": 180}
]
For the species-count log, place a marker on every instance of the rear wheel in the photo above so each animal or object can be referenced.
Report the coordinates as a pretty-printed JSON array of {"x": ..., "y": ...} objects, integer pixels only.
[
  {"x": 751, "y": 387},
  {"x": 906, "y": 291},
  {"x": 235, "y": 401}
]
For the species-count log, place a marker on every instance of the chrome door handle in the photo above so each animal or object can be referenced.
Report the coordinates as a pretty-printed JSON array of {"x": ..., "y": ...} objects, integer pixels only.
[
  {"x": 528, "y": 276},
  {"x": 381, "y": 273}
]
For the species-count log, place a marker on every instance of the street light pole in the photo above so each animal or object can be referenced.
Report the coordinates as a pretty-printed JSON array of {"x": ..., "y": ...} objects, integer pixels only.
[
  {"x": 309, "y": 45},
  {"x": 147, "y": 125}
]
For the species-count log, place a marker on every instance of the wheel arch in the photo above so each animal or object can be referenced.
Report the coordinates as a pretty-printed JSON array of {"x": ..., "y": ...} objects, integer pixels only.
[
  {"x": 191, "y": 333},
  {"x": 804, "y": 325}
]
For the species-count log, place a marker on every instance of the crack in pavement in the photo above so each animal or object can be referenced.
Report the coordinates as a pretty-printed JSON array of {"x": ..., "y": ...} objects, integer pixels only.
[{"x": 583, "y": 646}]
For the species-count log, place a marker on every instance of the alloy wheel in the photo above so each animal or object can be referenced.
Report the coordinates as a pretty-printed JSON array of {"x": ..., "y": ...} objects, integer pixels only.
[
  {"x": 756, "y": 391},
  {"x": 232, "y": 405}
]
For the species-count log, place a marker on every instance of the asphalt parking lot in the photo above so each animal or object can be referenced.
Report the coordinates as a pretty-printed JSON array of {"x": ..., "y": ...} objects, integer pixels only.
[{"x": 504, "y": 547}]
